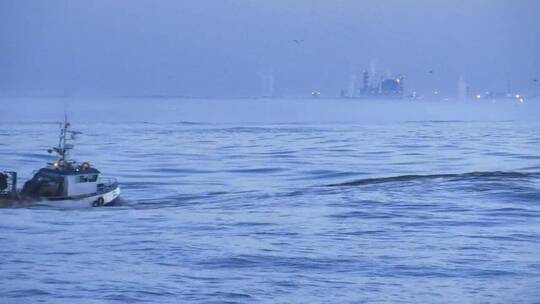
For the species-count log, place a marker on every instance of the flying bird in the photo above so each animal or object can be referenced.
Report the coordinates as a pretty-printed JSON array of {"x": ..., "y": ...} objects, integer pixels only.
[
  {"x": 535, "y": 80},
  {"x": 298, "y": 41},
  {"x": 430, "y": 72}
]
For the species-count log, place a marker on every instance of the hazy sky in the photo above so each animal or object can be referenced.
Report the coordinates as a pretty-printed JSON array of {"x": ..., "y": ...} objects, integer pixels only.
[{"x": 221, "y": 47}]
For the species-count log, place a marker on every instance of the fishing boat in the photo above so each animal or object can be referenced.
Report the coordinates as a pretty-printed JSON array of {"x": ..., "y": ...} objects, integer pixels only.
[{"x": 63, "y": 180}]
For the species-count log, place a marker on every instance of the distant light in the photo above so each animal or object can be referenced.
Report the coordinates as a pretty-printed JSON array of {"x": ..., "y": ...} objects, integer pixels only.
[
  {"x": 518, "y": 96},
  {"x": 521, "y": 100},
  {"x": 436, "y": 92},
  {"x": 478, "y": 96}
]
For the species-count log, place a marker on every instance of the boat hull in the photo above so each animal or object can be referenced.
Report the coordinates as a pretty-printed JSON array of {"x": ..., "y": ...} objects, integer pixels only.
[
  {"x": 99, "y": 199},
  {"x": 107, "y": 197}
]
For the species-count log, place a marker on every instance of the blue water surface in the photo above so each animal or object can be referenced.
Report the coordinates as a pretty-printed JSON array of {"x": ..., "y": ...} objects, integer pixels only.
[{"x": 422, "y": 211}]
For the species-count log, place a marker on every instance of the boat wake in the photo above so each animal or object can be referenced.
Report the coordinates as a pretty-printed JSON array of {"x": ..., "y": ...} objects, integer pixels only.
[{"x": 471, "y": 176}]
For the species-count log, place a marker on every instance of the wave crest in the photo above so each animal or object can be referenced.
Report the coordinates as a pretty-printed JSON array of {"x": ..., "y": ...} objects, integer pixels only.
[{"x": 489, "y": 175}]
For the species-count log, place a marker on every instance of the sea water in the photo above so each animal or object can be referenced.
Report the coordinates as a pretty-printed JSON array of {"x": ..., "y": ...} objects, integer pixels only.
[{"x": 272, "y": 201}]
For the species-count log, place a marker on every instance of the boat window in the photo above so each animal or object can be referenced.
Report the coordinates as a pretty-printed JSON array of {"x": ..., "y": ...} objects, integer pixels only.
[
  {"x": 87, "y": 178},
  {"x": 44, "y": 178}
]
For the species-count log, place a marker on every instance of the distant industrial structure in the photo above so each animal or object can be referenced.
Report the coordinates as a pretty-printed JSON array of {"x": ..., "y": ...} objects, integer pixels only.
[
  {"x": 466, "y": 93},
  {"x": 267, "y": 82},
  {"x": 391, "y": 88}
]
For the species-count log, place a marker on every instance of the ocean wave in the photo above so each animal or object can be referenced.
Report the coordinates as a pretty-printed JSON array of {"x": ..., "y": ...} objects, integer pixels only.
[{"x": 488, "y": 175}]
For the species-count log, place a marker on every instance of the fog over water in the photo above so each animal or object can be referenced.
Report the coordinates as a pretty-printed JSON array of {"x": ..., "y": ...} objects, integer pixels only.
[
  {"x": 262, "y": 110},
  {"x": 224, "y": 47}
]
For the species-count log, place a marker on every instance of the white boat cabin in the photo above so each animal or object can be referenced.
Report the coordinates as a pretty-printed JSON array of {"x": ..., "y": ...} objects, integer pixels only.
[{"x": 64, "y": 182}]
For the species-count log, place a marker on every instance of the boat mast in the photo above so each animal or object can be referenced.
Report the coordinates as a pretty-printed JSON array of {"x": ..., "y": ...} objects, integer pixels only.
[
  {"x": 63, "y": 147},
  {"x": 63, "y": 141}
]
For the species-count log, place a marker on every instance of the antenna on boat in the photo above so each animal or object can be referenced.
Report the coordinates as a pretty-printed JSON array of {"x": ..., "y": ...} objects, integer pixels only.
[{"x": 63, "y": 147}]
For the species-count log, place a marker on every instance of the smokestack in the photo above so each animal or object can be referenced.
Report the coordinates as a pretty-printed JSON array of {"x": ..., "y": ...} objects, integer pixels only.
[
  {"x": 267, "y": 79},
  {"x": 365, "y": 84},
  {"x": 352, "y": 85}
]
